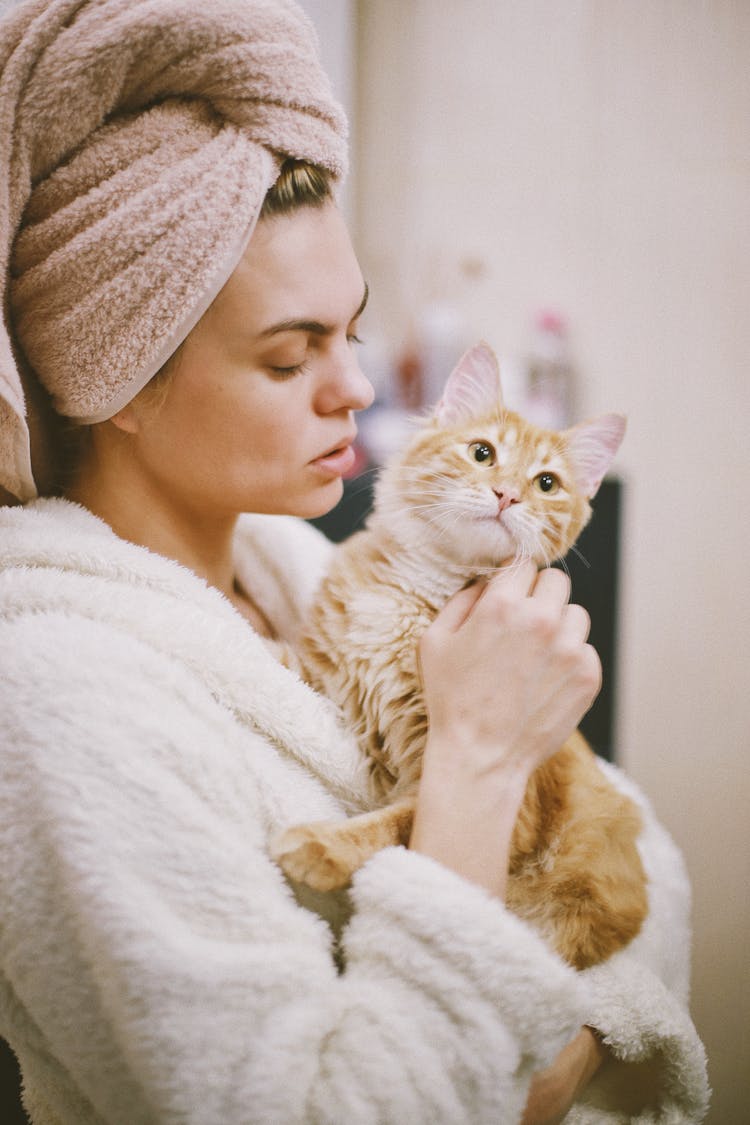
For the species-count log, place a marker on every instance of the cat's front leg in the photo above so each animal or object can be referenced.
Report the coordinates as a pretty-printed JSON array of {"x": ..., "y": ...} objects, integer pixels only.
[{"x": 325, "y": 855}]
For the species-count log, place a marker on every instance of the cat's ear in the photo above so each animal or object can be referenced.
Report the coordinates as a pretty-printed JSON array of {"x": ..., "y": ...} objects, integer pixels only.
[
  {"x": 473, "y": 388},
  {"x": 592, "y": 446}
]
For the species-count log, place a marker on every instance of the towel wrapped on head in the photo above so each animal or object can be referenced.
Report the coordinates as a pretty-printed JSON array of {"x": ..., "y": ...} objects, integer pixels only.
[{"x": 138, "y": 139}]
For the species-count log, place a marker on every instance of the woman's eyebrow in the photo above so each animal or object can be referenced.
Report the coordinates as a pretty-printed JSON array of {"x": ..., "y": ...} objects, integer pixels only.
[{"x": 313, "y": 326}]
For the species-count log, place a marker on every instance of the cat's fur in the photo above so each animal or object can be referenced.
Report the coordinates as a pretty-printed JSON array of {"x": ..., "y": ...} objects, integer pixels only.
[{"x": 441, "y": 519}]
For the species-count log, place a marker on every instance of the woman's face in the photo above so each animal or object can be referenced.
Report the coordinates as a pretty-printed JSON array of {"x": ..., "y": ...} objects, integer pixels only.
[{"x": 259, "y": 413}]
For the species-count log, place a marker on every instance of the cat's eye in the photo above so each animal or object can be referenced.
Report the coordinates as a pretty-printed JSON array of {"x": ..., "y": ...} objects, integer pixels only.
[
  {"x": 482, "y": 452},
  {"x": 547, "y": 482}
]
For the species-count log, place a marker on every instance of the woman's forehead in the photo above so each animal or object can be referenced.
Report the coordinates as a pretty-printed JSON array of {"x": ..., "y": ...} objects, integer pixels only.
[{"x": 297, "y": 267}]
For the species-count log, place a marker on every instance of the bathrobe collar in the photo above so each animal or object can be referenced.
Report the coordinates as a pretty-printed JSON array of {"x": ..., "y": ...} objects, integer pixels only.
[{"x": 89, "y": 571}]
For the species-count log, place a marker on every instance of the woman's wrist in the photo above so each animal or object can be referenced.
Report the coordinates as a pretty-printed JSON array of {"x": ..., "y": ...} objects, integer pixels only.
[
  {"x": 553, "y": 1091},
  {"x": 465, "y": 821},
  {"x": 593, "y": 1052}
]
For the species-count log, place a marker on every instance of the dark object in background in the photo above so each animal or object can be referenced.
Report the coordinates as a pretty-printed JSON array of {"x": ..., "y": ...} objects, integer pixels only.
[
  {"x": 595, "y": 586},
  {"x": 11, "y": 1110}
]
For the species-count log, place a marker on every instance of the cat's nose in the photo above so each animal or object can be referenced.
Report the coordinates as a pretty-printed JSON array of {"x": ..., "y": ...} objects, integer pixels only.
[{"x": 505, "y": 499}]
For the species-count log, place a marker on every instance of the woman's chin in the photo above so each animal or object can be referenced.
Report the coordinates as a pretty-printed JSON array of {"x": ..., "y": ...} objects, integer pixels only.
[{"x": 323, "y": 501}]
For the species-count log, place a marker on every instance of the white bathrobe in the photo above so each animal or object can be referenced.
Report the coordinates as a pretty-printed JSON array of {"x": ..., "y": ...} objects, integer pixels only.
[{"x": 155, "y": 967}]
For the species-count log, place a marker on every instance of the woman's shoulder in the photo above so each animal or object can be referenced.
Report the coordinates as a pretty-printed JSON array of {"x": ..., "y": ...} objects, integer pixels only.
[
  {"x": 60, "y": 561},
  {"x": 44, "y": 539},
  {"x": 46, "y": 519}
]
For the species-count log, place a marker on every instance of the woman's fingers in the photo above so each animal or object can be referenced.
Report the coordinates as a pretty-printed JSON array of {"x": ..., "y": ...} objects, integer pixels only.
[
  {"x": 457, "y": 609},
  {"x": 552, "y": 587},
  {"x": 512, "y": 582},
  {"x": 576, "y": 623},
  {"x": 592, "y": 672},
  {"x": 510, "y": 585}
]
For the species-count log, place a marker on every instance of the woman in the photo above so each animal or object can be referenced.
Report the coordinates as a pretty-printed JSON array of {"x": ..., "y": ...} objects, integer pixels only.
[{"x": 156, "y": 966}]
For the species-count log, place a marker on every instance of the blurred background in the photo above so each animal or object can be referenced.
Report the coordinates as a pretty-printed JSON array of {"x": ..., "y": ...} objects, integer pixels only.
[{"x": 571, "y": 178}]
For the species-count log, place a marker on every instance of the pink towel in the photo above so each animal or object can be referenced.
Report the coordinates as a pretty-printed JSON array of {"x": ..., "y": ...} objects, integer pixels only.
[{"x": 137, "y": 141}]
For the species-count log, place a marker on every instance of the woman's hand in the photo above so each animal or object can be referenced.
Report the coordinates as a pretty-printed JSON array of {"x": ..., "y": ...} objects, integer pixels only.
[
  {"x": 554, "y": 1090},
  {"x": 506, "y": 668},
  {"x": 507, "y": 675}
]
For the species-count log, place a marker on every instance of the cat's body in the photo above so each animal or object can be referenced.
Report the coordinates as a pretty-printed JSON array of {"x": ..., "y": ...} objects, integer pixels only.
[{"x": 476, "y": 487}]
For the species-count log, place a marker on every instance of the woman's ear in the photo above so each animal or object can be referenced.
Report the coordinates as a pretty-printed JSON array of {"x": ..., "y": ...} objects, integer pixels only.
[{"x": 127, "y": 419}]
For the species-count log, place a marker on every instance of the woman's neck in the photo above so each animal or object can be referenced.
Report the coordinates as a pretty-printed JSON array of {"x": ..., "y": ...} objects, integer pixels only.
[
  {"x": 114, "y": 487},
  {"x": 206, "y": 549},
  {"x": 143, "y": 515}
]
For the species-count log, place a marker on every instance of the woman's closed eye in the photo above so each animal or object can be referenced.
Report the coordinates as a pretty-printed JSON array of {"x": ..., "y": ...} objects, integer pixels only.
[
  {"x": 288, "y": 359},
  {"x": 287, "y": 371},
  {"x": 284, "y": 370}
]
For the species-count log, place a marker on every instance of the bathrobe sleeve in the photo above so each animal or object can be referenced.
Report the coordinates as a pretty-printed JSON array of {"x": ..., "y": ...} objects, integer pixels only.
[
  {"x": 155, "y": 959},
  {"x": 639, "y": 1001}
]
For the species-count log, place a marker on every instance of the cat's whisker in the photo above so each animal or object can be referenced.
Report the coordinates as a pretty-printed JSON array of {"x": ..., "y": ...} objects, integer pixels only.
[
  {"x": 436, "y": 509},
  {"x": 358, "y": 523},
  {"x": 416, "y": 472},
  {"x": 509, "y": 566},
  {"x": 425, "y": 499},
  {"x": 373, "y": 467},
  {"x": 540, "y": 549},
  {"x": 582, "y": 557},
  {"x": 433, "y": 486},
  {"x": 445, "y": 525}
]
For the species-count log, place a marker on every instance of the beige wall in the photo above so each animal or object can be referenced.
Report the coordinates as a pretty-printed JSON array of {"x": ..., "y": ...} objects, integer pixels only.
[
  {"x": 596, "y": 154},
  {"x": 335, "y": 22}
]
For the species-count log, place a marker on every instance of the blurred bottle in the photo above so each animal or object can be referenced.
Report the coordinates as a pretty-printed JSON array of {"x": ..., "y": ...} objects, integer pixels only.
[
  {"x": 397, "y": 379},
  {"x": 514, "y": 382},
  {"x": 442, "y": 338},
  {"x": 550, "y": 395},
  {"x": 409, "y": 372},
  {"x": 432, "y": 348},
  {"x": 375, "y": 359}
]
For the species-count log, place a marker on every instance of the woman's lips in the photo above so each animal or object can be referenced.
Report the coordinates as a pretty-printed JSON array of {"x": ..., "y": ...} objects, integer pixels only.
[{"x": 338, "y": 462}]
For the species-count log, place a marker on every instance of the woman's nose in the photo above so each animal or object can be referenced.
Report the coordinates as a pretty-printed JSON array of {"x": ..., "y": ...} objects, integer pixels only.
[{"x": 345, "y": 386}]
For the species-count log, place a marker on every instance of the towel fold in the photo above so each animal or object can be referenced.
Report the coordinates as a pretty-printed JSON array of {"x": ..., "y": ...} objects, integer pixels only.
[{"x": 138, "y": 139}]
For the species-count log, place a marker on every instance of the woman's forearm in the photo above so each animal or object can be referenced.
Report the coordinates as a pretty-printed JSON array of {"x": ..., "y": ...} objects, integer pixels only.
[
  {"x": 466, "y": 823},
  {"x": 507, "y": 675},
  {"x": 554, "y": 1090}
]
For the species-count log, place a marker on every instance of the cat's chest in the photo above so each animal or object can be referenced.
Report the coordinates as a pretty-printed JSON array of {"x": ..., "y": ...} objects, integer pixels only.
[{"x": 388, "y": 620}]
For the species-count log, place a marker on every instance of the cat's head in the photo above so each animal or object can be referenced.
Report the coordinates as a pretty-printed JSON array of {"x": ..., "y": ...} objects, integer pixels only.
[{"x": 483, "y": 485}]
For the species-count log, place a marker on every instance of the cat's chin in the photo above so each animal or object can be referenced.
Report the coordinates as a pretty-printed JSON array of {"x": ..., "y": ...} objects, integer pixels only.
[
  {"x": 501, "y": 543},
  {"x": 485, "y": 544}
]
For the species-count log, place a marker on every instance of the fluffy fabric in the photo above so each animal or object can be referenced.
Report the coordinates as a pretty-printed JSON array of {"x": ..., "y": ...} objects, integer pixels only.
[
  {"x": 138, "y": 139},
  {"x": 154, "y": 964}
]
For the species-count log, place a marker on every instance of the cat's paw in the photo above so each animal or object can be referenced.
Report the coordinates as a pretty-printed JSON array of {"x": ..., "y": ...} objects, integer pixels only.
[{"x": 313, "y": 856}]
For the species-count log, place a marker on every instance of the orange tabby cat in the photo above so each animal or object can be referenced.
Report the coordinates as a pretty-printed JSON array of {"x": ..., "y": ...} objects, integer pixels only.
[{"x": 477, "y": 486}]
